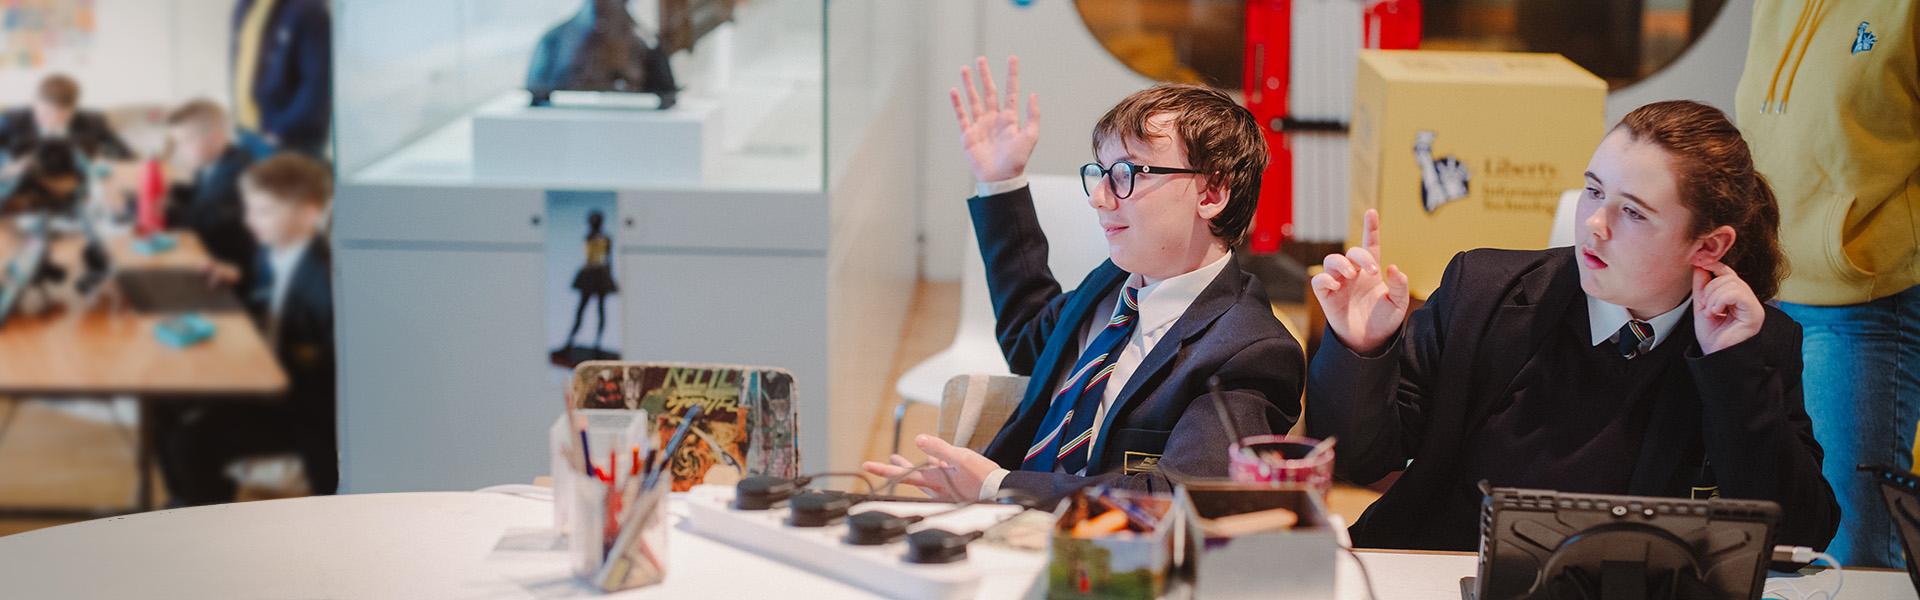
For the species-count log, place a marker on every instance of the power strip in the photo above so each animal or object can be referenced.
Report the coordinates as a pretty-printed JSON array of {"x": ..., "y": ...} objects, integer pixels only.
[{"x": 882, "y": 569}]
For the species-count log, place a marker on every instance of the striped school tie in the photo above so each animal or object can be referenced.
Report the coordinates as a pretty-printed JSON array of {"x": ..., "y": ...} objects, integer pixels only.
[
  {"x": 1065, "y": 436},
  {"x": 1635, "y": 338}
]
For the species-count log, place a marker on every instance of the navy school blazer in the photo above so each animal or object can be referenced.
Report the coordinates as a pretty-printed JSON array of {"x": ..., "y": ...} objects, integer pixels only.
[{"x": 1162, "y": 427}]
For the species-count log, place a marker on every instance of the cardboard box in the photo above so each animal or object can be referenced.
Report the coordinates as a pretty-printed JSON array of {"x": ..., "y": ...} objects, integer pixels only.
[
  {"x": 1284, "y": 563},
  {"x": 1464, "y": 150}
]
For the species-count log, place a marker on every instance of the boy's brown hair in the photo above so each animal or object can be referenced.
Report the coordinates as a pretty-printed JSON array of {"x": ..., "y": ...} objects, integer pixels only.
[
  {"x": 199, "y": 111},
  {"x": 60, "y": 90},
  {"x": 1221, "y": 138},
  {"x": 293, "y": 177}
]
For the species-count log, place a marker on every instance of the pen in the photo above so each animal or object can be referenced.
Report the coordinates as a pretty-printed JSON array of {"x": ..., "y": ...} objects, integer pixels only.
[
  {"x": 1135, "y": 514},
  {"x": 1226, "y": 420},
  {"x": 585, "y": 454},
  {"x": 673, "y": 444},
  {"x": 580, "y": 424}
]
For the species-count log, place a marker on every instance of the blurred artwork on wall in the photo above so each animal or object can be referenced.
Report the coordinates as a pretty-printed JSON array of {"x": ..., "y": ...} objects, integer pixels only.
[{"x": 37, "y": 33}]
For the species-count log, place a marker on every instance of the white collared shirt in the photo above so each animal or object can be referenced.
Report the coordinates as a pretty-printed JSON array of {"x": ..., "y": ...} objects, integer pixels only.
[
  {"x": 1604, "y": 320},
  {"x": 1161, "y": 305},
  {"x": 282, "y": 261}
]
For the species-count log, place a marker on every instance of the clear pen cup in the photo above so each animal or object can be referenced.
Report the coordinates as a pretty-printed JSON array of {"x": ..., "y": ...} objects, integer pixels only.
[
  {"x": 618, "y": 535},
  {"x": 616, "y": 430},
  {"x": 1282, "y": 461}
]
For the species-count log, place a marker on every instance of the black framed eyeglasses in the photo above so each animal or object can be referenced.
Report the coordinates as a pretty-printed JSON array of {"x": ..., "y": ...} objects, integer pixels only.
[{"x": 1120, "y": 176}]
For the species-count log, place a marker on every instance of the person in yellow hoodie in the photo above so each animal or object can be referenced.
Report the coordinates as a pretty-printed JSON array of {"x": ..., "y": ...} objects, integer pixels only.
[{"x": 1830, "y": 102}]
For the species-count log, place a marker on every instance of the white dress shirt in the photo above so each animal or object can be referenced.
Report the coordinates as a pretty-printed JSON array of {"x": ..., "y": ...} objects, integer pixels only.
[
  {"x": 1161, "y": 305},
  {"x": 282, "y": 262},
  {"x": 989, "y": 188},
  {"x": 1604, "y": 320}
]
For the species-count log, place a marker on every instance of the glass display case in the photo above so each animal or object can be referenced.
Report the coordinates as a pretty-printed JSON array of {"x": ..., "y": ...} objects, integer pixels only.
[
  {"x": 436, "y": 91},
  {"x": 719, "y": 227}
]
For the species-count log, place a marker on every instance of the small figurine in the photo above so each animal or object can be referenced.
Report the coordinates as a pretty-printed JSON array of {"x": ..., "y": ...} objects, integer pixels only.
[
  {"x": 599, "y": 50},
  {"x": 594, "y": 282}
]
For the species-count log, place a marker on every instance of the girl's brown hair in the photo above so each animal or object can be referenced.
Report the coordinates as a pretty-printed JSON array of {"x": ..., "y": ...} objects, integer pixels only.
[{"x": 1718, "y": 184}]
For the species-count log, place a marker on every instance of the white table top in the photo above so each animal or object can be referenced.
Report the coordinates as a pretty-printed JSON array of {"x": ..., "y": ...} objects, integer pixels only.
[{"x": 444, "y": 545}]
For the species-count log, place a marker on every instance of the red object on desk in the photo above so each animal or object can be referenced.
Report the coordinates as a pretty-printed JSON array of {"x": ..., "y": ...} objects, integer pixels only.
[{"x": 150, "y": 210}]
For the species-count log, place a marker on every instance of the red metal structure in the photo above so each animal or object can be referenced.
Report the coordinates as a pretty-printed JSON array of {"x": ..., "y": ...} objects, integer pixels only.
[{"x": 1387, "y": 24}]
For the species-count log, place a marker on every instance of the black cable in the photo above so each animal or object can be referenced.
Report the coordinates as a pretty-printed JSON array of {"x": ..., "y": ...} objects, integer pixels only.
[
  {"x": 892, "y": 482},
  {"x": 994, "y": 499},
  {"x": 805, "y": 480},
  {"x": 1365, "y": 577}
]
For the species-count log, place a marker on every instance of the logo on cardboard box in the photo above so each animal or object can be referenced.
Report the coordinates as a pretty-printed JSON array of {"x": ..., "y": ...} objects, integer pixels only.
[
  {"x": 1506, "y": 185},
  {"x": 1442, "y": 180}
]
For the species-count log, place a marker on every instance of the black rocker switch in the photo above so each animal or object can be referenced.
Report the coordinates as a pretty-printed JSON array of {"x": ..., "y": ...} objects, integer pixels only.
[
  {"x": 874, "y": 528},
  {"x": 937, "y": 546},
  {"x": 814, "y": 509},
  {"x": 761, "y": 492}
]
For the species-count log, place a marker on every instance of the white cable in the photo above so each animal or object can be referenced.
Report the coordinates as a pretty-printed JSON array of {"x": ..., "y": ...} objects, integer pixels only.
[
  {"x": 1808, "y": 555},
  {"x": 530, "y": 492}
]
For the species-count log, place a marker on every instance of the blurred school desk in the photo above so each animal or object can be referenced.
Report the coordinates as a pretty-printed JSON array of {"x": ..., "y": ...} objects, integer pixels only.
[
  {"x": 449, "y": 545},
  {"x": 109, "y": 350}
]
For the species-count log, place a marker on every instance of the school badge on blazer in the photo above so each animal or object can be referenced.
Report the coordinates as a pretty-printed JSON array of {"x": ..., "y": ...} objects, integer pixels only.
[
  {"x": 1705, "y": 485},
  {"x": 1140, "y": 462}
]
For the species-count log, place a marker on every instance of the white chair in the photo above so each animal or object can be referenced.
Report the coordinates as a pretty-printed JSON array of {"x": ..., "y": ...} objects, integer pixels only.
[
  {"x": 1076, "y": 246},
  {"x": 267, "y": 476},
  {"x": 1563, "y": 226},
  {"x": 975, "y": 405}
]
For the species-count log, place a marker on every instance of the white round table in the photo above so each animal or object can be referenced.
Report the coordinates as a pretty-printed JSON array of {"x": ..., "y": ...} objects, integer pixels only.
[
  {"x": 450, "y": 545},
  {"x": 414, "y": 545}
]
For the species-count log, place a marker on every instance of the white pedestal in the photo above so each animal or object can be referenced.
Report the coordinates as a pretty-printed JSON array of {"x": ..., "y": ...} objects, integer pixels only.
[{"x": 513, "y": 142}]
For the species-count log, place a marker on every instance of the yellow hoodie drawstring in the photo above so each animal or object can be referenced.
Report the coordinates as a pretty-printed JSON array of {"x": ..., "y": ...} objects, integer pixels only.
[
  {"x": 1786, "y": 50},
  {"x": 1808, "y": 23},
  {"x": 1813, "y": 25}
]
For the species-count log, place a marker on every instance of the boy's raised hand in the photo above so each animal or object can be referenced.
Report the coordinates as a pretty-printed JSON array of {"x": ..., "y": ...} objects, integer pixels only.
[
  {"x": 997, "y": 144},
  {"x": 1365, "y": 303}
]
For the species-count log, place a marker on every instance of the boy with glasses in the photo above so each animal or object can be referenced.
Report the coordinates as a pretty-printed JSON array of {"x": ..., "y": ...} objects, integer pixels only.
[{"x": 1120, "y": 366}]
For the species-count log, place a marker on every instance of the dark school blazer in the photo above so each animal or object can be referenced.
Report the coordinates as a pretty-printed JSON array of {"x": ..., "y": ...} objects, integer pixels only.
[
  {"x": 1161, "y": 427},
  {"x": 1737, "y": 418}
]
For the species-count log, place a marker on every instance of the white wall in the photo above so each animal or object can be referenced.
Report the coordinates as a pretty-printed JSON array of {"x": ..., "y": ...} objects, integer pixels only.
[
  {"x": 142, "y": 52},
  {"x": 1076, "y": 79},
  {"x": 873, "y": 139}
]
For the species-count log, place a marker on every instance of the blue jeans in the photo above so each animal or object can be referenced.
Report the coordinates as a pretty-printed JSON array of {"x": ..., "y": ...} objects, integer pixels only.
[{"x": 1862, "y": 385}]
